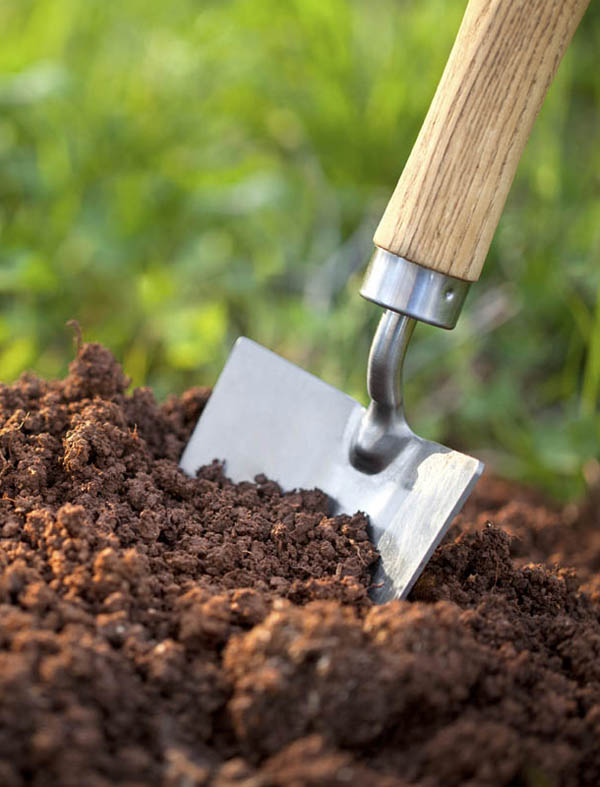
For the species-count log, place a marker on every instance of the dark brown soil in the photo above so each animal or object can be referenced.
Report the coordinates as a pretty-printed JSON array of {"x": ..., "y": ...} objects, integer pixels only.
[{"x": 161, "y": 630}]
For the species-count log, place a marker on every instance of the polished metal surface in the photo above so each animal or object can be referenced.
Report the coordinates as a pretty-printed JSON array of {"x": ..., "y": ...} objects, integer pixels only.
[
  {"x": 383, "y": 430},
  {"x": 268, "y": 416},
  {"x": 411, "y": 289}
]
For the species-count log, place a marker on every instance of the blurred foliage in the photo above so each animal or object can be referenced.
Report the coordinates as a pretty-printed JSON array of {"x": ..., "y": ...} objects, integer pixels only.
[{"x": 175, "y": 174}]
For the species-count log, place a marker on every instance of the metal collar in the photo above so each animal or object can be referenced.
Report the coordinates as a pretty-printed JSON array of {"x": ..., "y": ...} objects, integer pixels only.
[{"x": 403, "y": 286}]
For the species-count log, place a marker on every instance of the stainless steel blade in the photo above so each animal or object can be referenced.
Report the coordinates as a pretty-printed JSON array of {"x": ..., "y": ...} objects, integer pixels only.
[{"x": 268, "y": 416}]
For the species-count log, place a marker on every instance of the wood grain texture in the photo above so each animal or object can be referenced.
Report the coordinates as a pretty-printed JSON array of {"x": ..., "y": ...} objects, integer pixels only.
[{"x": 448, "y": 201}]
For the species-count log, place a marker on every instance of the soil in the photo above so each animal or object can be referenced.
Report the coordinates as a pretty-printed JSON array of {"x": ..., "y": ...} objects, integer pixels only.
[{"x": 162, "y": 630}]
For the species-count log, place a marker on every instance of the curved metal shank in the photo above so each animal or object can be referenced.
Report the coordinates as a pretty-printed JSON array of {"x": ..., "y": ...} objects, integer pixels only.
[{"x": 383, "y": 429}]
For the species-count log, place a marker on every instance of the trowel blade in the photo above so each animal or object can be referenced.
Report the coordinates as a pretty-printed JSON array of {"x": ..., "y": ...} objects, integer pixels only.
[{"x": 266, "y": 415}]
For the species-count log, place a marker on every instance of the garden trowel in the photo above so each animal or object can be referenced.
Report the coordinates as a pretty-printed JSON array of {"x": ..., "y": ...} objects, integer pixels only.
[{"x": 267, "y": 416}]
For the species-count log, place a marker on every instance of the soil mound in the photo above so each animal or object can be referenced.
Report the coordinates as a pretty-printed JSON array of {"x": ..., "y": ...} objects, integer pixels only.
[{"x": 162, "y": 630}]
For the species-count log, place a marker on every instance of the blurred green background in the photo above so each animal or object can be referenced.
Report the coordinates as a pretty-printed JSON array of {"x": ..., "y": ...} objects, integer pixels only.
[{"x": 175, "y": 174}]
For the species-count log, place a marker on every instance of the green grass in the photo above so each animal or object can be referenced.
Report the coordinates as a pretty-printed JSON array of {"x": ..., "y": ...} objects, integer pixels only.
[{"x": 174, "y": 174}]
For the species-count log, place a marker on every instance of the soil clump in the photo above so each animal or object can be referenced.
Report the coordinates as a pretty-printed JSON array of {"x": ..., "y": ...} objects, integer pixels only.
[{"x": 161, "y": 630}]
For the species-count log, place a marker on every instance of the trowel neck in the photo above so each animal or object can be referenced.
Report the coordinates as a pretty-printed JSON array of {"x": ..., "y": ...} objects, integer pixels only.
[
  {"x": 383, "y": 431},
  {"x": 386, "y": 359}
]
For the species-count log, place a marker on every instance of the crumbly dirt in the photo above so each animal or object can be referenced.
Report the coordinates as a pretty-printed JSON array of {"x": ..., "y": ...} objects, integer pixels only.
[{"x": 161, "y": 630}]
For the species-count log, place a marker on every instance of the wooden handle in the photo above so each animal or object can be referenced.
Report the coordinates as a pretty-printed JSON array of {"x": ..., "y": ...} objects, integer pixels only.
[{"x": 448, "y": 201}]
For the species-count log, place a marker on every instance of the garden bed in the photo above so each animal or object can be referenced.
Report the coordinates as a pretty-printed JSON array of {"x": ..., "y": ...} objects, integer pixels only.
[{"x": 158, "y": 629}]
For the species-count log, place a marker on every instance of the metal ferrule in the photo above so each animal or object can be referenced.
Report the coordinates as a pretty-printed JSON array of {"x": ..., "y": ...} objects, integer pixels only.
[{"x": 411, "y": 289}]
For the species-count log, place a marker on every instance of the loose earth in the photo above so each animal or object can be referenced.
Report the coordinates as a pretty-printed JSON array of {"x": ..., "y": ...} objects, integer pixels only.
[{"x": 161, "y": 630}]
